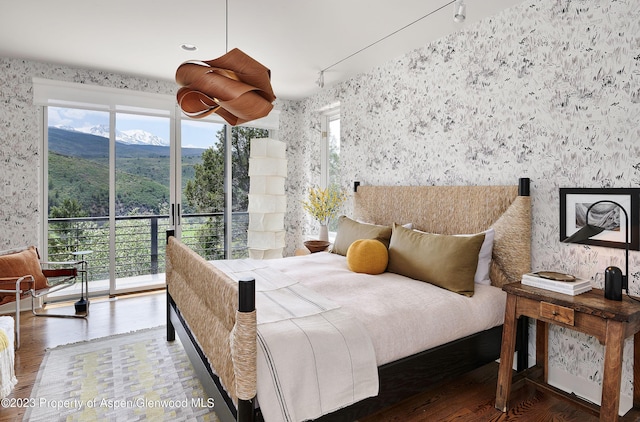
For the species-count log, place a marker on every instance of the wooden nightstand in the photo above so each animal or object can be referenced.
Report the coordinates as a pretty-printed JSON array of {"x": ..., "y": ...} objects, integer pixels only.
[{"x": 590, "y": 313}]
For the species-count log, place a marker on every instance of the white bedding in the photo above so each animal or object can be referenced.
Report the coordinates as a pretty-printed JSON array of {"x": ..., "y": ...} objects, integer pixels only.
[
  {"x": 403, "y": 316},
  {"x": 313, "y": 358},
  {"x": 395, "y": 317}
]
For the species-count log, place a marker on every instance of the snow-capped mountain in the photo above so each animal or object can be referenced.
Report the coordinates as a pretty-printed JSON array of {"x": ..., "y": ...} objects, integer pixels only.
[
  {"x": 138, "y": 136},
  {"x": 132, "y": 137}
]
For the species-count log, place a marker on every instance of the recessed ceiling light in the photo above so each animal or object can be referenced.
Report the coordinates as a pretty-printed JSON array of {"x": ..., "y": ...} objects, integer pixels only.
[{"x": 188, "y": 47}]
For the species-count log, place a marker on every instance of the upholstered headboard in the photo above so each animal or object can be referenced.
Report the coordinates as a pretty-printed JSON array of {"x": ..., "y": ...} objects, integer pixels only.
[{"x": 457, "y": 210}]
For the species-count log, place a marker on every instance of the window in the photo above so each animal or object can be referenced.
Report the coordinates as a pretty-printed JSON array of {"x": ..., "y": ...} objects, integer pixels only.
[
  {"x": 203, "y": 187},
  {"x": 119, "y": 173},
  {"x": 330, "y": 159},
  {"x": 333, "y": 139},
  {"x": 330, "y": 149}
]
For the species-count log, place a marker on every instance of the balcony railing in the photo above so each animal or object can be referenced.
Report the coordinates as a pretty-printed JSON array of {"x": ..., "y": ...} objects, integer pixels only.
[{"x": 139, "y": 241}]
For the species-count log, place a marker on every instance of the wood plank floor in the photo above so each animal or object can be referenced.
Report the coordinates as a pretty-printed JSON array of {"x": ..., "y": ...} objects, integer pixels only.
[{"x": 469, "y": 398}]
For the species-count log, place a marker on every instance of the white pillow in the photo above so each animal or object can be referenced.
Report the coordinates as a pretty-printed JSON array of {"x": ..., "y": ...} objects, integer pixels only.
[{"x": 484, "y": 257}]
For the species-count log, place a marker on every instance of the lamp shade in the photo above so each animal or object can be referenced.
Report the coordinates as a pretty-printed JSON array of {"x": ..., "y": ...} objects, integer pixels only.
[
  {"x": 266, "y": 185},
  {"x": 267, "y": 203},
  {"x": 234, "y": 86},
  {"x": 266, "y": 221},
  {"x": 267, "y": 166},
  {"x": 586, "y": 232},
  {"x": 267, "y": 199}
]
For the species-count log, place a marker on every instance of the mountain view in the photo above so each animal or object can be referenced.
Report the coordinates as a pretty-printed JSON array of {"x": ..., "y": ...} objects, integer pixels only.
[
  {"x": 78, "y": 169},
  {"x": 137, "y": 137},
  {"x": 78, "y": 187}
]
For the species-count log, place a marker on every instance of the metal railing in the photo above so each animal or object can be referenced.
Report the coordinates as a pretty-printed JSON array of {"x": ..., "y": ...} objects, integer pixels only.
[{"x": 140, "y": 241}]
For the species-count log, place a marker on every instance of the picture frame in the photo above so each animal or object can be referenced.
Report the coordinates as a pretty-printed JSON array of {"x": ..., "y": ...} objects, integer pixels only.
[{"x": 575, "y": 201}]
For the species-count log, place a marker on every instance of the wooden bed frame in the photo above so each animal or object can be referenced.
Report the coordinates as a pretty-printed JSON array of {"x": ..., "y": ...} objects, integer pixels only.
[{"x": 408, "y": 376}]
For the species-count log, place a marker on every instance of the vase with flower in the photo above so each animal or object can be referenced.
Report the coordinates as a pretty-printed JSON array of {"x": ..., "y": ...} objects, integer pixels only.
[{"x": 323, "y": 205}]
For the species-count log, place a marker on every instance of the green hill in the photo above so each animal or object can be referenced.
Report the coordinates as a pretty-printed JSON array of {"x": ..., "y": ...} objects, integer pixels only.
[
  {"x": 88, "y": 182},
  {"x": 84, "y": 145},
  {"x": 78, "y": 169}
]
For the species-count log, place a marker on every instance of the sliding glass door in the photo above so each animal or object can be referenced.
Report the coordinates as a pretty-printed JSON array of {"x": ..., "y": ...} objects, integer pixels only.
[
  {"x": 77, "y": 172},
  {"x": 117, "y": 181},
  {"x": 215, "y": 178},
  {"x": 140, "y": 200},
  {"x": 108, "y": 177},
  {"x": 201, "y": 218}
]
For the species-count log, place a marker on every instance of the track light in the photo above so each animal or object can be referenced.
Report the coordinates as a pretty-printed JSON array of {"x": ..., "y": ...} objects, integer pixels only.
[
  {"x": 460, "y": 11},
  {"x": 320, "y": 80}
]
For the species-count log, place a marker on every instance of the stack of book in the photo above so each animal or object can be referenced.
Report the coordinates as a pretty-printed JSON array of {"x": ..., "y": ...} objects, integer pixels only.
[{"x": 555, "y": 282}]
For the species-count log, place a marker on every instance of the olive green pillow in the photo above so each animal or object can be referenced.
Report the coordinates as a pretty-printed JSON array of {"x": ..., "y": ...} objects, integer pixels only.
[
  {"x": 446, "y": 261},
  {"x": 350, "y": 230}
]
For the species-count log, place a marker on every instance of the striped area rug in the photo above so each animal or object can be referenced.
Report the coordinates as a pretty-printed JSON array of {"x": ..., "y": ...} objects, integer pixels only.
[{"x": 127, "y": 377}]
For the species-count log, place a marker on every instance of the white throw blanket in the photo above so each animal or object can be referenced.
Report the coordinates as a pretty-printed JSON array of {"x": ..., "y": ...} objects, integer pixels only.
[
  {"x": 313, "y": 356},
  {"x": 7, "y": 371}
]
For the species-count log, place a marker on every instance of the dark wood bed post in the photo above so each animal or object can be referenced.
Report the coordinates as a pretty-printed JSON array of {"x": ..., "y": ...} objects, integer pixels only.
[
  {"x": 171, "y": 332},
  {"x": 522, "y": 336},
  {"x": 246, "y": 303},
  {"x": 523, "y": 186}
]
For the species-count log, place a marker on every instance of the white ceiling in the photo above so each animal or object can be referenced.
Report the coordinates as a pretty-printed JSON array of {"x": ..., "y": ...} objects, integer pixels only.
[{"x": 294, "y": 38}]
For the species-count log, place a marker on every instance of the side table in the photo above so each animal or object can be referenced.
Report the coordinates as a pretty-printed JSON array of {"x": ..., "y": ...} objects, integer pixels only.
[{"x": 590, "y": 313}]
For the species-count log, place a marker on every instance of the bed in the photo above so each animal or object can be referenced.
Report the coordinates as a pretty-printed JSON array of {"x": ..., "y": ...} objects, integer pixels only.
[{"x": 212, "y": 305}]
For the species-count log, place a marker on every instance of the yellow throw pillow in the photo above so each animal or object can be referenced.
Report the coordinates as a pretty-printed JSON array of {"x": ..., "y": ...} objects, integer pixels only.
[
  {"x": 367, "y": 256},
  {"x": 447, "y": 261}
]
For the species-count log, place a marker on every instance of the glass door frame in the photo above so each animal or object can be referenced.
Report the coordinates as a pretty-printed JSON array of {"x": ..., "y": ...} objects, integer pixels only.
[
  {"x": 113, "y": 279},
  {"x": 112, "y": 289},
  {"x": 45, "y": 91}
]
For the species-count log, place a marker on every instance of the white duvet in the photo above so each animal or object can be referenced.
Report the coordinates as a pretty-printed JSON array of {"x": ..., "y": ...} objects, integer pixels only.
[
  {"x": 403, "y": 316},
  {"x": 315, "y": 302},
  {"x": 313, "y": 357}
]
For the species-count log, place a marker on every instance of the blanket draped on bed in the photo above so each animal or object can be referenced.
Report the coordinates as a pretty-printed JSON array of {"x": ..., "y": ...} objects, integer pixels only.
[
  {"x": 303, "y": 336},
  {"x": 7, "y": 359}
]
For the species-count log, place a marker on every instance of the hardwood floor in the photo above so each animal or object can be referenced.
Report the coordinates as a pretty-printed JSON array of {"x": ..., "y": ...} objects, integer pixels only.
[{"x": 469, "y": 398}]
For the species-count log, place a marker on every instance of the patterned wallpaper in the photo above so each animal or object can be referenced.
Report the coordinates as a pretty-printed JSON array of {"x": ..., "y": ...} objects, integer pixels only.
[{"x": 547, "y": 89}]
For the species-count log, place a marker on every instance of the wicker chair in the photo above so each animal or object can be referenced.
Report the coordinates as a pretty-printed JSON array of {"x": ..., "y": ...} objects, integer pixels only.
[{"x": 22, "y": 274}]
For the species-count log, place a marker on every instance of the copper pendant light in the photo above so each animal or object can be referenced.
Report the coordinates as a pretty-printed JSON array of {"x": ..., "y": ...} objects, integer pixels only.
[{"x": 234, "y": 86}]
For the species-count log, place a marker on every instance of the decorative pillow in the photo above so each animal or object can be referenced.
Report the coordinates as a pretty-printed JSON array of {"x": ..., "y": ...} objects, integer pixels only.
[
  {"x": 350, "y": 230},
  {"x": 484, "y": 257},
  {"x": 367, "y": 256},
  {"x": 446, "y": 261},
  {"x": 22, "y": 263}
]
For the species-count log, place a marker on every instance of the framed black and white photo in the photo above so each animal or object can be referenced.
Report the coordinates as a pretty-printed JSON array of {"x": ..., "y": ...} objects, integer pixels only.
[{"x": 574, "y": 203}]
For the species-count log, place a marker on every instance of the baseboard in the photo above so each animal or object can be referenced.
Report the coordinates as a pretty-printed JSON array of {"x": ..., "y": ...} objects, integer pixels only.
[{"x": 583, "y": 388}]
